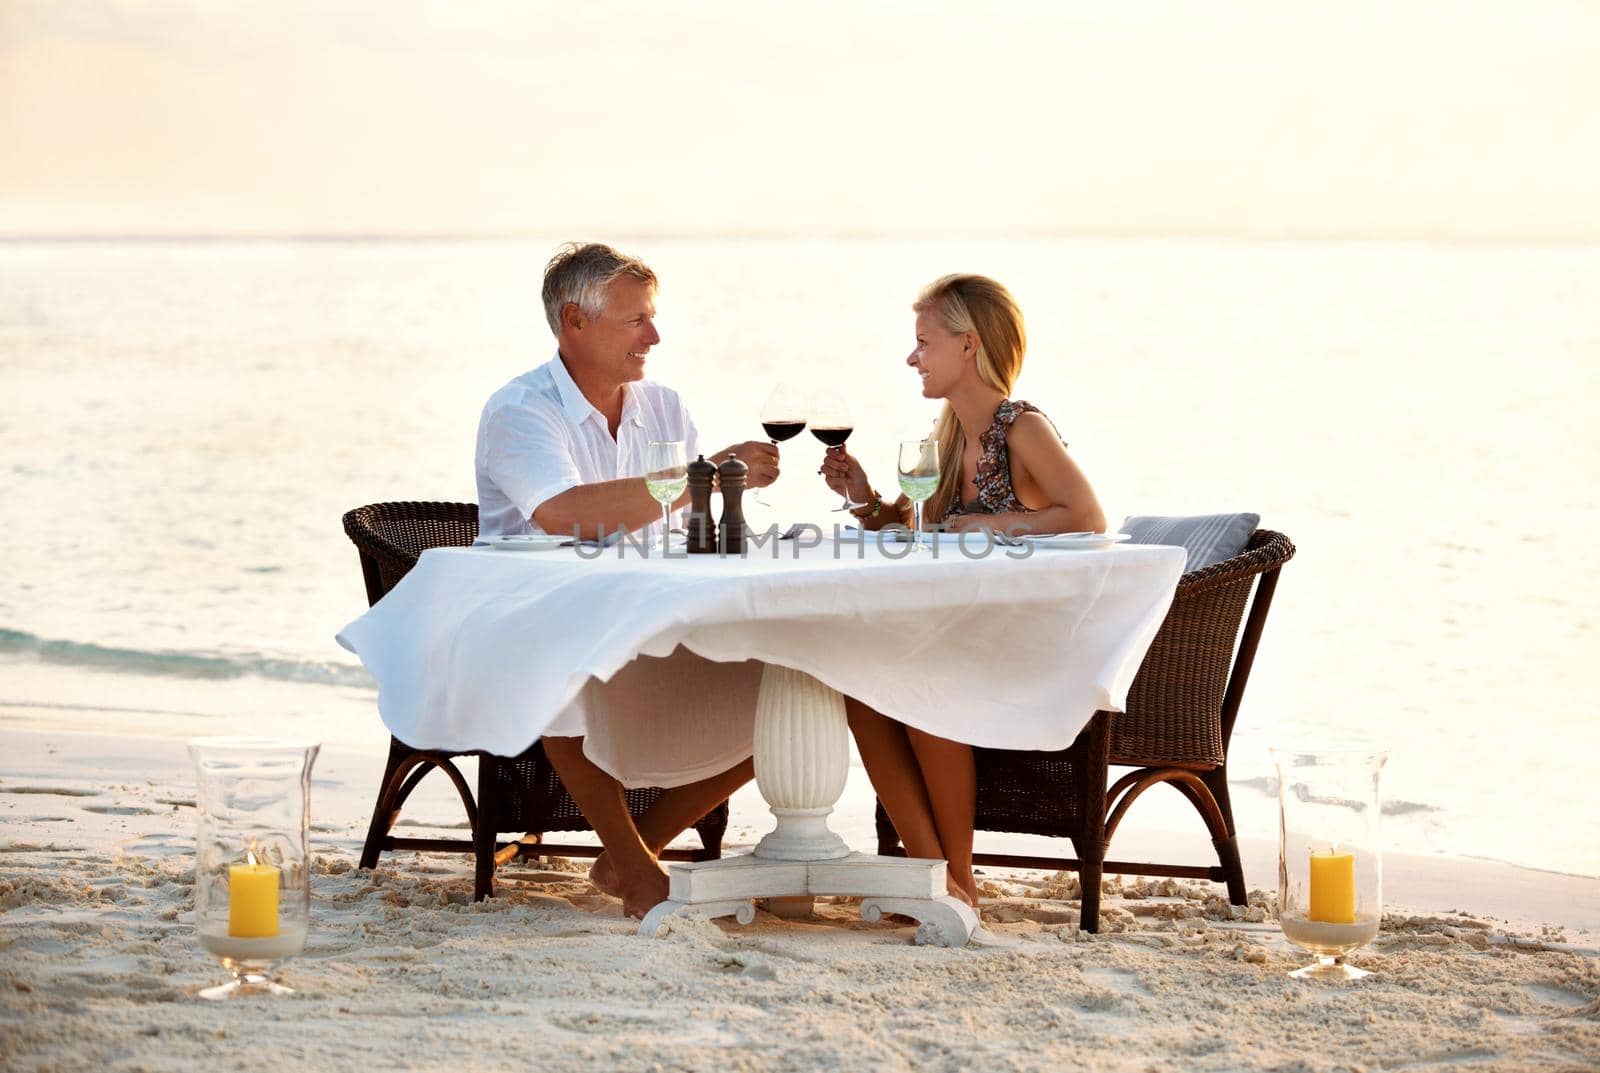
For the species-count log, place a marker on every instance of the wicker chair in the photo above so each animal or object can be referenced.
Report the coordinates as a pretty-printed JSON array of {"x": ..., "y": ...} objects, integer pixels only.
[
  {"x": 1179, "y": 720},
  {"x": 519, "y": 794}
]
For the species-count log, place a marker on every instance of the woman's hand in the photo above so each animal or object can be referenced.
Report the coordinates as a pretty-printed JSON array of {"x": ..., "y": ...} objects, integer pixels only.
[
  {"x": 970, "y": 523},
  {"x": 845, "y": 476}
]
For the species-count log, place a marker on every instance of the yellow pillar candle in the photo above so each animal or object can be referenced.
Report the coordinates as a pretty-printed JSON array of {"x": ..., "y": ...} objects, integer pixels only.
[
  {"x": 1333, "y": 887},
  {"x": 252, "y": 901}
]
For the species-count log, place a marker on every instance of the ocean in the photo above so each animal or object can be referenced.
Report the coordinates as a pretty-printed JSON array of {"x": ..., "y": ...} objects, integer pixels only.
[{"x": 182, "y": 425}]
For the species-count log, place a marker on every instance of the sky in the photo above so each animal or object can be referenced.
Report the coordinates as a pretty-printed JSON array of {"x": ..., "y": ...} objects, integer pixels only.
[{"x": 1455, "y": 120}]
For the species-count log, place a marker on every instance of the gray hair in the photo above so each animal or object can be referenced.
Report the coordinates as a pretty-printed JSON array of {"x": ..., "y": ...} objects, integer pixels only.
[{"x": 581, "y": 272}]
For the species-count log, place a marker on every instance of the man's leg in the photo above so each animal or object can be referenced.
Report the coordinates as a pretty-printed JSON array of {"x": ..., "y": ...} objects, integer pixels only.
[
  {"x": 639, "y": 880},
  {"x": 673, "y": 813}
]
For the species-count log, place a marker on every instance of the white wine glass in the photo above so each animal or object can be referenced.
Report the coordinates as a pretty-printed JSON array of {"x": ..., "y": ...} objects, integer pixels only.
[
  {"x": 666, "y": 476},
  {"x": 919, "y": 478},
  {"x": 832, "y": 423}
]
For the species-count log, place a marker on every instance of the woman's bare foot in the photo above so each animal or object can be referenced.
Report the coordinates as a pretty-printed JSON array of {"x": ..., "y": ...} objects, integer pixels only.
[{"x": 957, "y": 889}]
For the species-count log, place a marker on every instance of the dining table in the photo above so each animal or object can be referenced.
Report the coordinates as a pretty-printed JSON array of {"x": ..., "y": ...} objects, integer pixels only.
[{"x": 673, "y": 667}]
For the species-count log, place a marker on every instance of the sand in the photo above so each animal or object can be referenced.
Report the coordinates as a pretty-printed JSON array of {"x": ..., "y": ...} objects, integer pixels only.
[{"x": 99, "y": 966}]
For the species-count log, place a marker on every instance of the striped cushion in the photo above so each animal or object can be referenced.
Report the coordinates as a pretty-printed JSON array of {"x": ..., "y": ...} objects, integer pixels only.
[{"x": 1210, "y": 538}]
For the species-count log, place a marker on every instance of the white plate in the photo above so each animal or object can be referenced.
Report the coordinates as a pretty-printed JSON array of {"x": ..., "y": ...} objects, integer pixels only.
[
  {"x": 973, "y": 540},
  {"x": 527, "y": 541},
  {"x": 1077, "y": 541},
  {"x": 903, "y": 536}
]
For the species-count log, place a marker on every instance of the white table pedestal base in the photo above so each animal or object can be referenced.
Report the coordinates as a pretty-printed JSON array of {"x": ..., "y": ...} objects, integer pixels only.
[
  {"x": 904, "y": 885},
  {"x": 802, "y": 756}
]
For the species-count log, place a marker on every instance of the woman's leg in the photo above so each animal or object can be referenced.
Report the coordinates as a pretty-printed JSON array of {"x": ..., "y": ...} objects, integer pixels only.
[
  {"x": 897, "y": 777},
  {"x": 950, "y": 776}
]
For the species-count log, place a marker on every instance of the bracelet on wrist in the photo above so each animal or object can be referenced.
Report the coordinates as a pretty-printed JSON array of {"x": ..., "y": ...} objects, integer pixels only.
[{"x": 877, "y": 508}]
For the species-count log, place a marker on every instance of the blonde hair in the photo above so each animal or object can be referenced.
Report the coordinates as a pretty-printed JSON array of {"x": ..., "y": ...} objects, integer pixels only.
[
  {"x": 581, "y": 272},
  {"x": 972, "y": 304}
]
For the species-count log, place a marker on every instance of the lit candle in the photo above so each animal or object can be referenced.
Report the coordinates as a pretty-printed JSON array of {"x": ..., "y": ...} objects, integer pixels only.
[
  {"x": 1333, "y": 887},
  {"x": 252, "y": 899}
]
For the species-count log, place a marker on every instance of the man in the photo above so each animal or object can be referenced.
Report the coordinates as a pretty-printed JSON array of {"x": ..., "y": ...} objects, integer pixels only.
[{"x": 561, "y": 450}]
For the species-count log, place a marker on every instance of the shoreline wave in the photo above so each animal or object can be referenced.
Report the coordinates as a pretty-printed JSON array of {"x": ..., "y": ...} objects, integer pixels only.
[{"x": 174, "y": 663}]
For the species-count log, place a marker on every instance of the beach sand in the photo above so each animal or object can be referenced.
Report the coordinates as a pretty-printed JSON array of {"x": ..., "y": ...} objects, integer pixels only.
[{"x": 99, "y": 965}]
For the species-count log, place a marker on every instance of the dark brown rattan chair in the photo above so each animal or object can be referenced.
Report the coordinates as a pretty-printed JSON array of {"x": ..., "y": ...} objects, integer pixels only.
[
  {"x": 1180, "y": 714},
  {"x": 519, "y": 794}
]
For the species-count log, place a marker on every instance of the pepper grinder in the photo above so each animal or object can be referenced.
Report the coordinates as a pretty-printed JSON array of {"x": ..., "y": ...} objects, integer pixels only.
[
  {"x": 702, "y": 529},
  {"x": 732, "y": 475}
]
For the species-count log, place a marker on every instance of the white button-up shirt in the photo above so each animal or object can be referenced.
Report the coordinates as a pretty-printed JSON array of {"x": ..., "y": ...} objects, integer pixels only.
[{"x": 539, "y": 436}]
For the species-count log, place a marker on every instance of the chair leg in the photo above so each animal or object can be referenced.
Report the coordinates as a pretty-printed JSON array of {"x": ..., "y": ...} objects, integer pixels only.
[
  {"x": 483, "y": 833},
  {"x": 1091, "y": 869},
  {"x": 888, "y": 837},
  {"x": 384, "y": 809},
  {"x": 1095, "y": 758},
  {"x": 1227, "y": 848},
  {"x": 1201, "y": 792},
  {"x": 711, "y": 828},
  {"x": 483, "y": 863},
  {"x": 1232, "y": 868}
]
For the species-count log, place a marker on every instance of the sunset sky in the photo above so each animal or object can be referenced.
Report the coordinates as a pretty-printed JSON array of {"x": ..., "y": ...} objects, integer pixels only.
[{"x": 1462, "y": 120}]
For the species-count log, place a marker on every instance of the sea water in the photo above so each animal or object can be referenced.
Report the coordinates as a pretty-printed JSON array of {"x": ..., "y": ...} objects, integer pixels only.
[{"x": 182, "y": 425}]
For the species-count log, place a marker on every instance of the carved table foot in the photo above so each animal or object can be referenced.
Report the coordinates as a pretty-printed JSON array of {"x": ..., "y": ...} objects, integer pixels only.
[
  {"x": 742, "y": 910},
  {"x": 945, "y": 921}
]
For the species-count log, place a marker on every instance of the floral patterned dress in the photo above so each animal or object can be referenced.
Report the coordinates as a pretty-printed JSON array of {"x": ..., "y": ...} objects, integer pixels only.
[{"x": 993, "y": 478}]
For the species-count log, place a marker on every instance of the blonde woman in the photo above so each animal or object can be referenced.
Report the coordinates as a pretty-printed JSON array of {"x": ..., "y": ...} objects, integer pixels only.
[{"x": 1002, "y": 467}]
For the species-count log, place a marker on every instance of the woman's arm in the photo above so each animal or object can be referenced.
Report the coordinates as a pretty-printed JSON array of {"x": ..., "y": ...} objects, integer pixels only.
[
  {"x": 844, "y": 475},
  {"x": 1047, "y": 481}
]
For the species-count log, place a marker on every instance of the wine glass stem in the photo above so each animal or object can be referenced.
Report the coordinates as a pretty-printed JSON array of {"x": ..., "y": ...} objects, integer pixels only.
[
  {"x": 755, "y": 493},
  {"x": 916, "y": 523},
  {"x": 666, "y": 528}
]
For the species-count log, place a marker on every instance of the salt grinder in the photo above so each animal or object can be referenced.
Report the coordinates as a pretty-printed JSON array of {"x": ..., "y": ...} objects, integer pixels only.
[
  {"x": 732, "y": 474},
  {"x": 702, "y": 529}
]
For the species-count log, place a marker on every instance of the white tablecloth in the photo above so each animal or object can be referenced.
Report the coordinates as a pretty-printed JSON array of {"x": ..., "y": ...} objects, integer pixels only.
[{"x": 480, "y": 648}]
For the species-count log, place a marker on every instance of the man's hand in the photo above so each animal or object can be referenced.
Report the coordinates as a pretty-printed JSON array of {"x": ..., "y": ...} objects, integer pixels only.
[{"x": 759, "y": 455}]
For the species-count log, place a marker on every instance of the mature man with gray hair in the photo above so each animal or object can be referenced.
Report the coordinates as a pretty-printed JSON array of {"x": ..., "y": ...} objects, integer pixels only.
[{"x": 561, "y": 449}]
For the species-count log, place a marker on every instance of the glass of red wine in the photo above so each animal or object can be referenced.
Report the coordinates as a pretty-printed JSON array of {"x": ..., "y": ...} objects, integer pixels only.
[
  {"x": 783, "y": 416},
  {"x": 832, "y": 424}
]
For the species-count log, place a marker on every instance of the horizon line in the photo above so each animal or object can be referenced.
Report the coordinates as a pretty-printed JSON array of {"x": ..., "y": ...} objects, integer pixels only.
[{"x": 334, "y": 237}]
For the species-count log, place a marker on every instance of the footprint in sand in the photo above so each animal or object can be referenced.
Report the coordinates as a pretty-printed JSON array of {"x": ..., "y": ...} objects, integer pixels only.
[
  {"x": 1014, "y": 910},
  {"x": 606, "y": 1022},
  {"x": 119, "y": 810},
  {"x": 158, "y": 844},
  {"x": 1556, "y": 995},
  {"x": 1117, "y": 981}
]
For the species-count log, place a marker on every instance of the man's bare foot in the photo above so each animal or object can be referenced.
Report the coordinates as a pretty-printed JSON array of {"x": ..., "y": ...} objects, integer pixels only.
[
  {"x": 642, "y": 893},
  {"x": 604, "y": 877}
]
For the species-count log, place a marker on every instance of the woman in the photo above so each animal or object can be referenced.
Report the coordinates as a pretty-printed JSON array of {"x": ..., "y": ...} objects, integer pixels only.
[{"x": 1002, "y": 467}]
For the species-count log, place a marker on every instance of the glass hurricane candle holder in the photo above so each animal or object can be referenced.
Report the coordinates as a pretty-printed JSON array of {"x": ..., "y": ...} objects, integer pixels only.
[
  {"x": 1330, "y": 855},
  {"x": 252, "y": 872}
]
